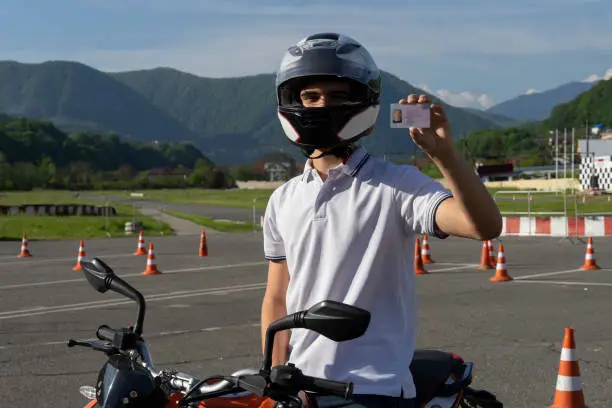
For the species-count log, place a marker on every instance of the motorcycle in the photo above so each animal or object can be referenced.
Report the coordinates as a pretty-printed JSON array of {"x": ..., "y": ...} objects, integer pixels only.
[{"x": 130, "y": 379}]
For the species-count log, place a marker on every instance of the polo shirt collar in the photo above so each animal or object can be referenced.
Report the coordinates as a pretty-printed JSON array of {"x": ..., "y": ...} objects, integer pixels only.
[{"x": 351, "y": 167}]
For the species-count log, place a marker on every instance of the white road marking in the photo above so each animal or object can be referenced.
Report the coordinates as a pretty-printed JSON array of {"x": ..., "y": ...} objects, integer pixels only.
[
  {"x": 29, "y": 261},
  {"x": 15, "y": 314},
  {"x": 185, "y": 270},
  {"x": 164, "y": 272},
  {"x": 570, "y": 283},
  {"x": 146, "y": 335},
  {"x": 454, "y": 268},
  {"x": 538, "y": 275}
]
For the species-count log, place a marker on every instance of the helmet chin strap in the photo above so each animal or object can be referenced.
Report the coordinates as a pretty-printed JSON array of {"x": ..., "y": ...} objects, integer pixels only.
[
  {"x": 346, "y": 149},
  {"x": 326, "y": 153}
]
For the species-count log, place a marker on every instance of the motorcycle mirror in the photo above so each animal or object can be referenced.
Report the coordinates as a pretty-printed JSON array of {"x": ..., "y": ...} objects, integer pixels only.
[
  {"x": 336, "y": 321},
  {"x": 97, "y": 274}
]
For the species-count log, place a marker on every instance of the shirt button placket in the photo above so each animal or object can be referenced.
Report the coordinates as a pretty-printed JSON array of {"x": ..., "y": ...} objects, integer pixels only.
[{"x": 324, "y": 195}]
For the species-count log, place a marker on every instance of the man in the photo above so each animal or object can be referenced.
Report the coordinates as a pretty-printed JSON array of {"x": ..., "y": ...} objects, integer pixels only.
[{"x": 345, "y": 228}]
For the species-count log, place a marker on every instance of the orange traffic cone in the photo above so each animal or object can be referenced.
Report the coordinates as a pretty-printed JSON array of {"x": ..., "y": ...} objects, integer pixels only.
[
  {"x": 81, "y": 255},
  {"x": 203, "y": 246},
  {"x": 25, "y": 252},
  {"x": 425, "y": 254},
  {"x": 568, "y": 392},
  {"x": 501, "y": 271},
  {"x": 491, "y": 254},
  {"x": 418, "y": 262},
  {"x": 484, "y": 257},
  {"x": 589, "y": 258},
  {"x": 151, "y": 268},
  {"x": 141, "y": 246}
]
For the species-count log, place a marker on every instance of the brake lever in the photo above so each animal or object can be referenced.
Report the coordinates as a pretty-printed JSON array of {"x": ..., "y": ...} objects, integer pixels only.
[{"x": 95, "y": 345}]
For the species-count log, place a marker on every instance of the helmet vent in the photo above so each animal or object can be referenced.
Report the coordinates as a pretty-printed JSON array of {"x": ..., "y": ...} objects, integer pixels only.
[
  {"x": 347, "y": 48},
  {"x": 324, "y": 36}
]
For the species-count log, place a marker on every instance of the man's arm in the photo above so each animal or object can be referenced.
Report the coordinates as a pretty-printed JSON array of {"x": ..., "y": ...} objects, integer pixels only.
[
  {"x": 471, "y": 212},
  {"x": 274, "y": 307},
  {"x": 274, "y": 301}
]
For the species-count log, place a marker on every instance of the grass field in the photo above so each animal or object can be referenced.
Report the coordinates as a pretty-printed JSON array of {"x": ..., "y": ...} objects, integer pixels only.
[
  {"x": 222, "y": 198},
  {"x": 12, "y": 227},
  {"x": 223, "y": 226},
  {"x": 551, "y": 204},
  {"x": 542, "y": 202},
  {"x": 69, "y": 227}
]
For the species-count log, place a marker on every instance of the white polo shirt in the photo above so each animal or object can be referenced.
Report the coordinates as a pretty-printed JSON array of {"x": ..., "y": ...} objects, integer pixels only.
[{"x": 351, "y": 239}]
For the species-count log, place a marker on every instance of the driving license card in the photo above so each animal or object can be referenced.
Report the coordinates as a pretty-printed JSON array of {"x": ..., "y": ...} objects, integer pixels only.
[{"x": 413, "y": 115}]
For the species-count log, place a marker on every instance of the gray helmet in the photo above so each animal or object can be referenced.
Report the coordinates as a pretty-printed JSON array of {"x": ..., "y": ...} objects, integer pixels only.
[{"x": 319, "y": 56}]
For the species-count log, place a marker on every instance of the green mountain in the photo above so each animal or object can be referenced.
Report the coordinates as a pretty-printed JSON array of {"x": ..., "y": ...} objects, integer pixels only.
[
  {"x": 78, "y": 97},
  {"x": 529, "y": 142},
  {"x": 538, "y": 106},
  {"x": 231, "y": 120},
  {"x": 236, "y": 113},
  {"x": 593, "y": 106},
  {"x": 501, "y": 120}
]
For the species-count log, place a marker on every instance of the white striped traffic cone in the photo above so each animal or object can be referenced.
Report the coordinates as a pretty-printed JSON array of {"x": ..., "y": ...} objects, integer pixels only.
[
  {"x": 589, "y": 258},
  {"x": 81, "y": 255},
  {"x": 25, "y": 252},
  {"x": 151, "y": 268},
  {"x": 425, "y": 254},
  {"x": 568, "y": 392},
  {"x": 141, "y": 246},
  {"x": 491, "y": 253},
  {"x": 501, "y": 271}
]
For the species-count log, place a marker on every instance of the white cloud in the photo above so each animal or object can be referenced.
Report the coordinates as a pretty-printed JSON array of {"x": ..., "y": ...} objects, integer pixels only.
[
  {"x": 595, "y": 77},
  {"x": 463, "y": 99},
  {"x": 531, "y": 91}
]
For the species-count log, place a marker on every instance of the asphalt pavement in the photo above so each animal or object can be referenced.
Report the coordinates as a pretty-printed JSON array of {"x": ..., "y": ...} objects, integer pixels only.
[{"x": 203, "y": 313}]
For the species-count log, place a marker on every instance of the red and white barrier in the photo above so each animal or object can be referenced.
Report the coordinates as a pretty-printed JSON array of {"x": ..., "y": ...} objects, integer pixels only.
[{"x": 591, "y": 226}]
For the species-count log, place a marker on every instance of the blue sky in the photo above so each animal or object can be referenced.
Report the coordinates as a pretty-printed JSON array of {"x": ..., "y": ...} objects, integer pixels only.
[{"x": 469, "y": 52}]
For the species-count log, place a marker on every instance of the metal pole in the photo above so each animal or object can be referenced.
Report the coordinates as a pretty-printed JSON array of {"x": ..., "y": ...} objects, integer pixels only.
[
  {"x": 557, "y": 158},
  {"x": 565, "y": 179},
  {"x": 529, "y": 211},
  {"x": 573, "y": 158},
  {"x": 254, "y": 215},
  {"x": 106, "y": 210},
  {"x": 587, "y": 134}
]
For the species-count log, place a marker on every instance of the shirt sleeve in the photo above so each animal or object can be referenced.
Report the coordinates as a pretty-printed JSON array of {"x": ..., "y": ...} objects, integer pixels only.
[
  {"x": 274, "y": 248},
  {"x": 419, "y": 198}
]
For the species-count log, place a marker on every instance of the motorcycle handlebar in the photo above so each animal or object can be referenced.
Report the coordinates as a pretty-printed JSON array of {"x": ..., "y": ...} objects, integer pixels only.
[
  {"x": 323, "y": 386},
  {"x": 105, "y": 333}
]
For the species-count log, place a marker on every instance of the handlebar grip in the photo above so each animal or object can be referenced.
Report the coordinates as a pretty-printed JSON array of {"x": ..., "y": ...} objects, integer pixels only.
[
  {"x": 323, "y": 386},
  {"x": 105, "y": 333}
]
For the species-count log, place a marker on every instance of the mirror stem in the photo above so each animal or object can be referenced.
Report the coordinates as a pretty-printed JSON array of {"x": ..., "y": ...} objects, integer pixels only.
[
  {"x": 118, "y": 285},
  {"x": 287, "y": 322},
  {"x": 141, "y": 315}
]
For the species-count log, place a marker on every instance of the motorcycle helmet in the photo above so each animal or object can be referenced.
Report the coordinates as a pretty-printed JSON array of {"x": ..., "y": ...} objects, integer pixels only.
[{"x": 333, "y": 128}]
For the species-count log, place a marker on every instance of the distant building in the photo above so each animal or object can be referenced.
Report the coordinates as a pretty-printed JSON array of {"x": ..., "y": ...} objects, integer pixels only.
[
  {"x": 596, "y": 167},
  {"x": 496, "y": 172},
  {"x": 597, "y": 147},
  {"x": 278, "y": 166}
]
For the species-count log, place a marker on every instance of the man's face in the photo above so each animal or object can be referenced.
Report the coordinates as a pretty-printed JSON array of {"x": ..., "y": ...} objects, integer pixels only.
[{"x": 325, "y": 93}]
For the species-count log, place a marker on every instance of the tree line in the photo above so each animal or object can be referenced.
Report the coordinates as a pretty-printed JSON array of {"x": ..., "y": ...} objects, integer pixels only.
[{"x": 36, "y": 154}]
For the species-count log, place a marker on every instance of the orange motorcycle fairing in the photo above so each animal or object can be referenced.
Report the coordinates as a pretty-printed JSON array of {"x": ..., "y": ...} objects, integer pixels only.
[{"x": 245, "y": 401}]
